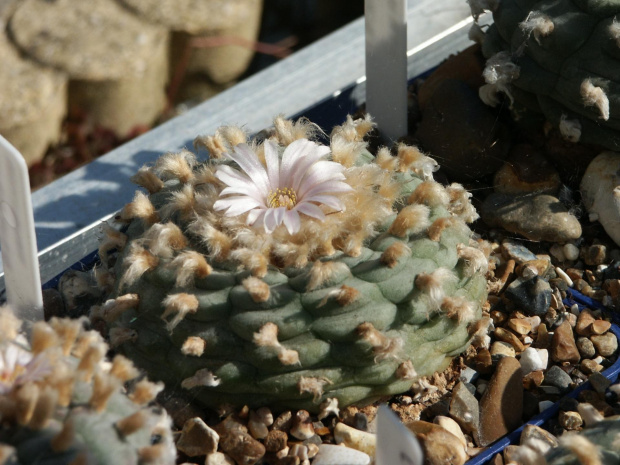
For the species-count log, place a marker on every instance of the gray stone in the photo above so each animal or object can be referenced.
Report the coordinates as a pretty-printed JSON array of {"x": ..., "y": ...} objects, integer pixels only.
[
  {"x": 517, "y": 252},
  {"x": 464, "y": 408},
  {"x": 532, "y": 296},
  {"x": 558, "y": 378},
  {"x": 536, "y": 432},
  {"x": 538, "y": 217},
  {"x": 586, "y": 348},
  {"x": 599, "y": 382}
]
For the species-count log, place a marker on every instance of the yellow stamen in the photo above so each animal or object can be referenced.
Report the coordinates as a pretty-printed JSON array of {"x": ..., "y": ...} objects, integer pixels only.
[{"x": 284, "y": 197}]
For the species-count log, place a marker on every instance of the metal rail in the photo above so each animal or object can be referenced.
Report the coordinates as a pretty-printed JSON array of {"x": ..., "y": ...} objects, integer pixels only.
[{"x": 69, "y": 211}]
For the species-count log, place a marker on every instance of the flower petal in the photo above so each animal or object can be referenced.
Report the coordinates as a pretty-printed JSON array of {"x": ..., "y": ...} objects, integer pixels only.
[
  {"x": 328, "y": 187},
  {"x": 292, "y": 221},
  {"x": 311, "y": 210},
  {"x": 328, "y": 200},
  {"x": 279, "y": 214},
  {"x": 270, "y": 220},
  {"x": 318, "y": 173},
  {"x": 236, "y": 205},
  {"x": 235, "y": 179},
  {"x": 273, "y": 164},
  {"x": 245, "y": 157},
  {"x": 296, "y": 159},
  {"x": 254, "y": 215}
]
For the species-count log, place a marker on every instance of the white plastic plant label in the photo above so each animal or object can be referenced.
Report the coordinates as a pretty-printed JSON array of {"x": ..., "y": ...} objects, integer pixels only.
[
  {"x": 17, "y": 237},
  {"x": 396, "y": 445},
  {"x": 386, "y": 65}
]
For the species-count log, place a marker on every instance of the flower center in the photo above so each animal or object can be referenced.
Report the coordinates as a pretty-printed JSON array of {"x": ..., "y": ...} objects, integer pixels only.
[{"x": 282, "y": 197}]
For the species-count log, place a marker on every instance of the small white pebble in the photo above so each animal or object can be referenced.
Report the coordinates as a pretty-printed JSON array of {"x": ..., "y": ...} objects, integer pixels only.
[
  {"x": 531, "y": 361},
  {"x": 330, "y": 454},
  {"x": 534, "y": 321},
  {"x": 527, "y": 340},
  {"x": 598, "y": 359},
  {"x": 544, "y": 405},
  {"x": 571, "y": 251},
  {"x": 574, "y": 309},
  {"x": 564, "y": 276},
  {"x": 481, "y": 387},
  {"x": 601, "y": 268}
]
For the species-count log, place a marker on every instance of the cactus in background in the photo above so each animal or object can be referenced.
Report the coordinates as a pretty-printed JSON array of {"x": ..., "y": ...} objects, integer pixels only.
[
  {"x": 272, "y": 276},
  {"x": 560, "y": 58},
  {"x": 62, "y": 403}
]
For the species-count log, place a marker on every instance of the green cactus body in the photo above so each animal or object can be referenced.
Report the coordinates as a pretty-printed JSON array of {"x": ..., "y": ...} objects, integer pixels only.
[
  {"x": 348, "y": 308},
  {"x": 62, "y": 403},
  {"x": 561, "y": 58}
]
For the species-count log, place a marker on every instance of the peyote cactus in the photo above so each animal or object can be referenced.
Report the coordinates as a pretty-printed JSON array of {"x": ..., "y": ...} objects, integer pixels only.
[
  {"x": 62, "y": 403},
  {"x": 301, "y": 279},
  {"x": 561, "y": 58}
]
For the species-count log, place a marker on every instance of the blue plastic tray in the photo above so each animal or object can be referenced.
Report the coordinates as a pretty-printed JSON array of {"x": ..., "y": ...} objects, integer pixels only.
[{"x": 543, "y": 418}]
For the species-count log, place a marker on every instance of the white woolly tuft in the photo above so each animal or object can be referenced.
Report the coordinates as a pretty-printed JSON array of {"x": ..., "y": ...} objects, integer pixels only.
[
  {"x": 323, "y": 271},
  {"x": 147, "y": 179},
  {"x": 257, "y": 288},
  {"x": 412, "y": 219},
  {"x": 460, "y": 205},
  {"x": 458, "y": 308},
  {"x": 594, "y": 96},
  {"x": 176, "y": 165},
  {"x": 251, "y": 260},
  {"x": 383, "y": 347},
  {"x": 138, "y": 262},
  {"x": 570, "y": 129},
  {"x": 163, "y": 239},
  {"x": 538, "y": 24},
  {"x": 431, "y": 194},
  {"x": 433, "y": 285},
  {"x": 181, "y": 201},
  {"x": 218, "y": 243},
  {"x": 411, "y": 158},
  {"x": 140, "y": 207},
  {"x": 406, "y": 370},
  {"x": 112, "y": 309},
  {"x": 267, "y": 336},
  {"x": 312, "y": 385},
  {"x": 498, "y": 73},
  {"x": 202, "y": 377},
  {"x": 386, "y": 160},
  {"x": 180, "y": 305},
  {"x": 394, "y": 252},
  {"x": 188, "y": 265},
  {"x": 479, "y": 332},
  {"x": 475, "y": 259},
  {"x": 194, "y": 346}
]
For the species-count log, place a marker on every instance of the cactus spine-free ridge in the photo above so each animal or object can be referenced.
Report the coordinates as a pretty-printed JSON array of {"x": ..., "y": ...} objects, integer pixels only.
[{"x": 382, "y": 283}]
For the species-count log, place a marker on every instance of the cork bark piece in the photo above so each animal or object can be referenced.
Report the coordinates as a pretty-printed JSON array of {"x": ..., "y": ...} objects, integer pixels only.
[
  {"x": 33, "y": 102},
  {"x": 117, "y": 63}
]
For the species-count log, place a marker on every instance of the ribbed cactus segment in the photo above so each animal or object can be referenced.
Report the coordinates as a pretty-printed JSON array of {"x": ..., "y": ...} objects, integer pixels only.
[
  {"x": 350, "y": 307},
  {"x": 560, "y": 58},
  {"x": 62, "y": 402}
]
